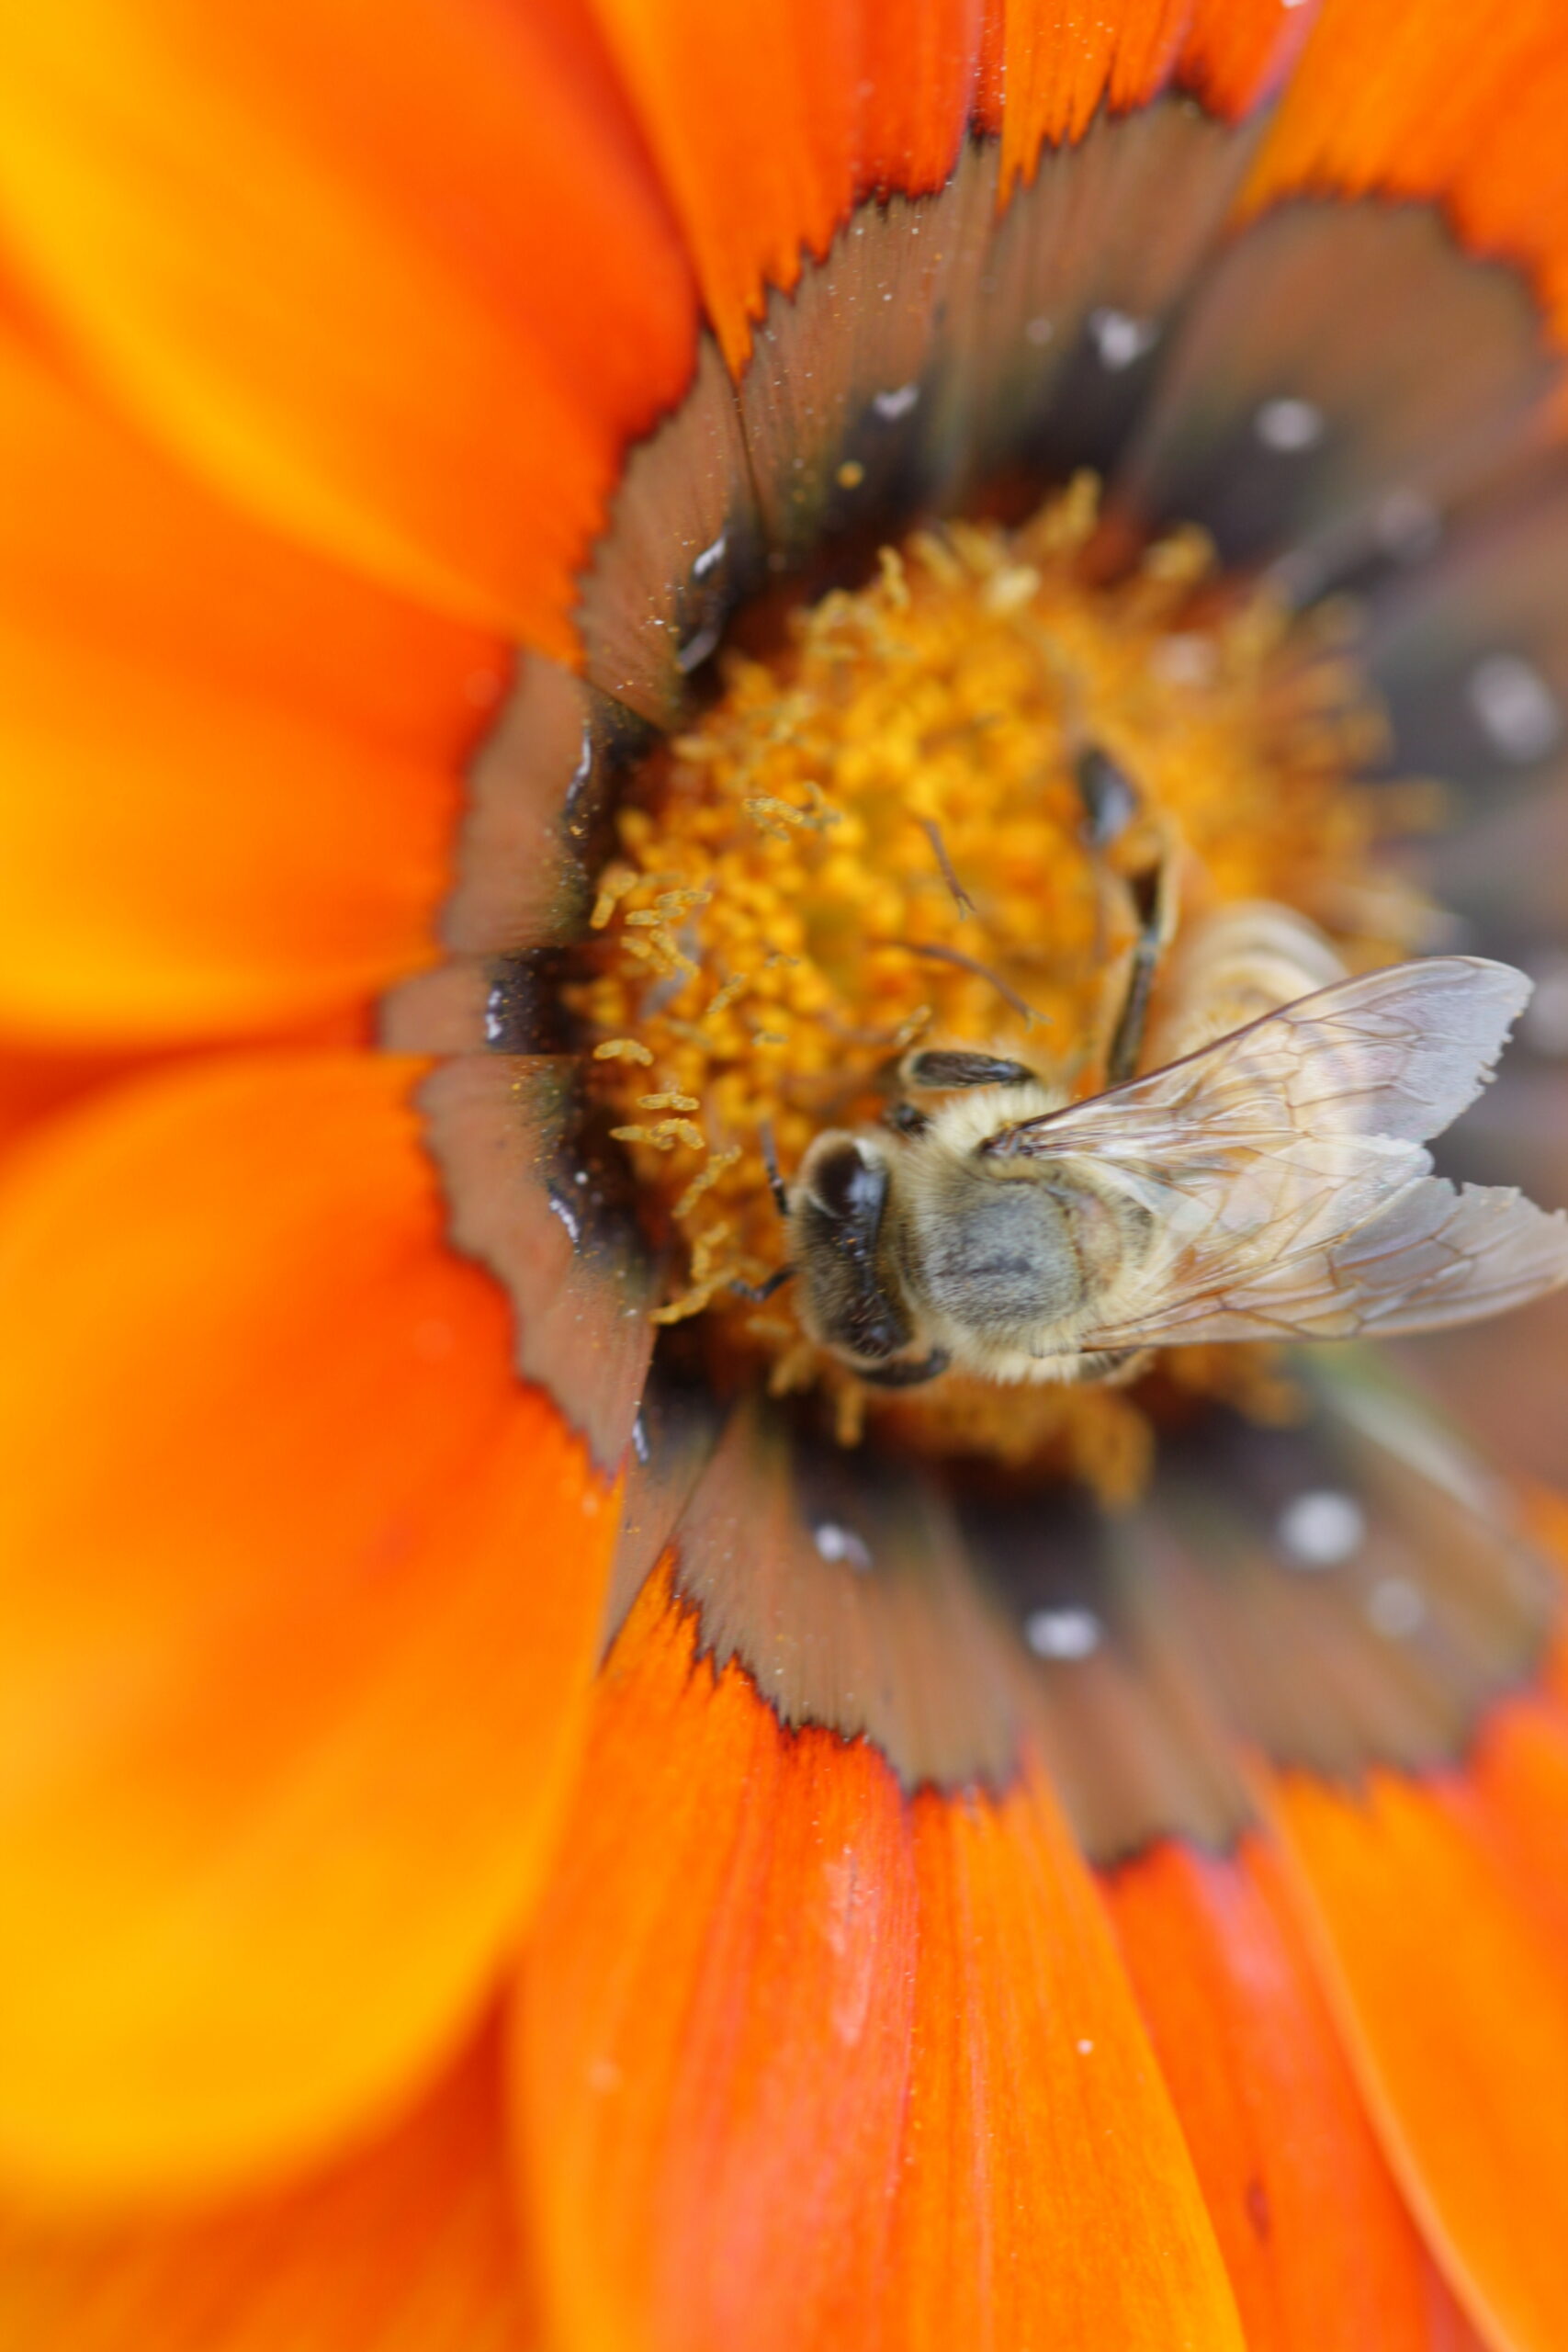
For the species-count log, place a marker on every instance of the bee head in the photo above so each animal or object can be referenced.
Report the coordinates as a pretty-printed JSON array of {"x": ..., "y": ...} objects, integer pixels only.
[{"x": 851, "y": 1298}]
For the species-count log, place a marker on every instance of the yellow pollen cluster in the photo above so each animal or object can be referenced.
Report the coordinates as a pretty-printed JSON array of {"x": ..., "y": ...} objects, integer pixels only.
[{"x": 884, "y": 832}]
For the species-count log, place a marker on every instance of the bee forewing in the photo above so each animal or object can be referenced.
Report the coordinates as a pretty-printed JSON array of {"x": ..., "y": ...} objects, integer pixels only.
[
  {"x": 1430, "y": 1257},
  {"x": 1398, "y": 1053},
  {"x": 1403, "y": 1052}
]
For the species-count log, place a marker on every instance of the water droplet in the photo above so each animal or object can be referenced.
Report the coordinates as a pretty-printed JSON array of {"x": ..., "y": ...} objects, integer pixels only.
[
  {"x": 1516, "y": 707},
  {"x": 1063, "y": 1633},
  {"x": 1039, "y": 332},
  {"x": 1084, "y": 2048},
  {"x": 1321, "y": 1529},
  {"x": 1288, "y": 426}
]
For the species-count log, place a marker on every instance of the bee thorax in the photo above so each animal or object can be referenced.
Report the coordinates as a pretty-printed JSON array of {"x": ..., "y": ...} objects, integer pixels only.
[{"x": 997, "y": 1262}]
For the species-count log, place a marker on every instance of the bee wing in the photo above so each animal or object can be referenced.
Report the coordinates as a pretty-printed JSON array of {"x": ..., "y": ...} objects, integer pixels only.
[
  {"x": 1283, "y": 1168},
  {"x": 1397, "y": 1053},
  {"x": 1432, "y": 1256}
]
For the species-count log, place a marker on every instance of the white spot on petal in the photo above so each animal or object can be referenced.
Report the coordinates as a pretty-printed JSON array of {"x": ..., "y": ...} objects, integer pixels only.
[
  {"x": 1321, "y": 1529},
  {"x": 1395, "y": 1608},
  {"x": 897, "y": 404},
  {"x": 1119, "y": 339},
  {"x": 1288, "y": 426},
  {"x": 1516, "y": 707},
  {"x": 835, "y": 1543},
  {"x": 1063, "y": 1633}
]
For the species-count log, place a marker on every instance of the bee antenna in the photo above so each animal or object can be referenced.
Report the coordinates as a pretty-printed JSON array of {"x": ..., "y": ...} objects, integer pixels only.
[
  {"x": 771, "y": 1162},
  {"x": 955, "y": 957},
  {"x": 961, "y": 898}
]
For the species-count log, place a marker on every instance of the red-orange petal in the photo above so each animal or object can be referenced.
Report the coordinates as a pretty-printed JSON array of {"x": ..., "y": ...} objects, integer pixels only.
[
  {"x": 1409, "y": 99},
  {"x": 399, "y": 277},
  {"x": 1235, "y": 53},
  {"x": 1519, "y": 1769},
  {"x": 409, "y": 2246},
  {"x": 752, "y": 115},
  {"x": 35, "y": 1084},
  {"x": 918, "y": 68},
  {"x": 1047, "y": 2196},
  {"x": 300, "y": 1593},
  {"x": 1050, "y": 66},
  {"x": 1321, "y": 2249},
  {"x": 1453, "y": 1993},
  {"x": 230, "y": 770},
  {"x": 802, "y": 2062}
]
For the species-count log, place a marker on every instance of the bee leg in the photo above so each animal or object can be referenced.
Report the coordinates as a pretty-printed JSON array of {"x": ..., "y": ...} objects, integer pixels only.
[
  {"x": 759, "y": 1293},
  {"x": 907, "y": 1119},
  {"x": 771, "y": 1162},
  {"x": 1153, "y": 900},
  {"x": 1109, "y": 794}
]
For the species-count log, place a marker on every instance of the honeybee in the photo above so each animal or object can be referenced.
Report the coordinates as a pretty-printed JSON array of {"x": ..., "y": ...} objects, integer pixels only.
[{"x": 1264, "y": 1184}]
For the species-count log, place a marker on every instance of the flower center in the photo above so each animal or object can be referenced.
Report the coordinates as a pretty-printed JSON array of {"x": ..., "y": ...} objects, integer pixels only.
[{"x": 939, "y": 808}]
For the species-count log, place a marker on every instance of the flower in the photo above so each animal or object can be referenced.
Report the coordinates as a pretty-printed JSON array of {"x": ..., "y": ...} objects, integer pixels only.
[{"x": 942, "y": 1909}]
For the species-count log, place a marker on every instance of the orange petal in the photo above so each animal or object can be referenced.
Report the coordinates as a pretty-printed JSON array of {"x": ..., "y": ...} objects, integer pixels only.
[
  {"x": 32, "y": 1085},
  {"x": 1048, "y": 67},
  {"x": 1454, "y": 1997},
  {"x": 752, "y": 117},
  {"x": 1047, "y": 2196},
  {"x": 805, "y": 2064},
  {"x": 1519, "y": 1770},
  {"x": 231, "y": 769},
  {"x": 410, "y": 2245},
  {"x": 1235, "y": 53},
  {"x": 917, "y": 76},
  {"x": 399, "y": 277},
  {"x": 1402, "y": 97},
  {"x": 300, "y": 1592},
  {"x": 1320, "y": 2248}
]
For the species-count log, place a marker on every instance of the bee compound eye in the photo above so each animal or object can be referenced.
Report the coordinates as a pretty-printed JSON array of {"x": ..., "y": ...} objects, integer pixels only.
[
  {"x": 941, "y": 1070},
  {"x": 847, "y": 1181}
]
